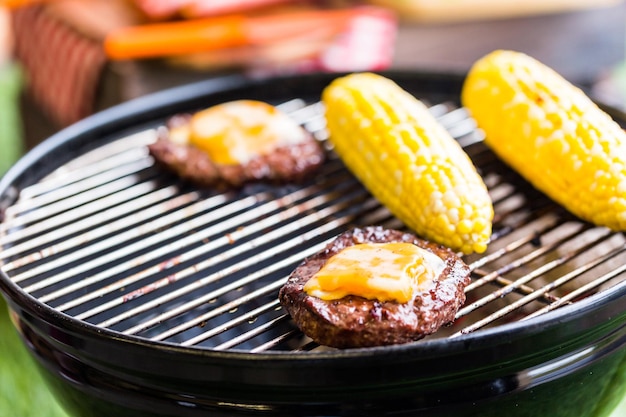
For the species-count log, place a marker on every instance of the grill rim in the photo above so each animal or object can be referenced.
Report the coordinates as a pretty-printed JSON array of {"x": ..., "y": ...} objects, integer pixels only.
[{"x": 154, "y": 109}]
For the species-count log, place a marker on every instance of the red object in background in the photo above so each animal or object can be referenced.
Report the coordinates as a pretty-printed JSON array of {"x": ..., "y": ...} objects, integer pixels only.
[
  {"x": 359, "y": 38},
  {"x": 366, "y": 44},
  {"x": 165, "y": 9},
  {"x": 365, "y": 40},
  {"x": 201, "y": 8},
  {"x": 160, "y": 9}
]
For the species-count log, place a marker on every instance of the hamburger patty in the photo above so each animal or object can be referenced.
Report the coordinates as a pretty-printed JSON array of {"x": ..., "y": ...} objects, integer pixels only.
[
  {"x": 354, "y": 321},
  {"x": 284, "y": 164}
]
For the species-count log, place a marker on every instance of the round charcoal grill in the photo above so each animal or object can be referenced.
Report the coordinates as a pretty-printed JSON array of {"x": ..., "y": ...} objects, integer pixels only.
[{"x": 142, "y": 295}]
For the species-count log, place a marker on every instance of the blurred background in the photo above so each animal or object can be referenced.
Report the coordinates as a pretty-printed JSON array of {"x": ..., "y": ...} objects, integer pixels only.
[{"x": 63, "y": 60}]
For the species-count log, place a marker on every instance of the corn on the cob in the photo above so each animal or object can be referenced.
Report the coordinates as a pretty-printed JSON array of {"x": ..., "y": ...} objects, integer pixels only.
[
  {"x": 552, "y": 134},
  {"x": 408, "y": 161}
]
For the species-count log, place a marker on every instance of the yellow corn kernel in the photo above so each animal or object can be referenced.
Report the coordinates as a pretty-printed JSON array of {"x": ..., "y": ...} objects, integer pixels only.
[
  {"x": 552, "y": 134},
  {"x": 408, "y": 161}
]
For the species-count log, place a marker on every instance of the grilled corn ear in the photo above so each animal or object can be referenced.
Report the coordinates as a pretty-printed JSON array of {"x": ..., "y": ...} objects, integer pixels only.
[
  {"x": 410, "y": 163},
  {"x": 552, "y": 134}
]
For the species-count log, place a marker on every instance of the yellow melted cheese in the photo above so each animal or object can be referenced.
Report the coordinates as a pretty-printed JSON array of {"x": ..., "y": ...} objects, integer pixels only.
[
  {"x": 376, "y": 271},
  {"x": 237, "y": 131}
]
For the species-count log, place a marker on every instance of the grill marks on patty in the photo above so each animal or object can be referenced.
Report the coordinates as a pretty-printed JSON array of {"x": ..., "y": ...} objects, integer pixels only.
[{"x": 354, "y": 321}]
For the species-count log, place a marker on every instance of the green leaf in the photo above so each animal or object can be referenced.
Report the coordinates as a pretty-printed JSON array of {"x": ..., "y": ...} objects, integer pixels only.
[
  {"x": 11, "y": 143},
  {"x": 23, "y": 392}
]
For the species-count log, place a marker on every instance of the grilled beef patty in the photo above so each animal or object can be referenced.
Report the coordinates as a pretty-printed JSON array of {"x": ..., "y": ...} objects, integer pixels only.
[
  {"x": 354, "y": 321},
  {"x": 285, "y": 164}
]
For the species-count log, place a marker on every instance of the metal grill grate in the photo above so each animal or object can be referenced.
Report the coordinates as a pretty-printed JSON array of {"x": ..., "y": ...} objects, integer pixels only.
[{"x": 111, "y": 239}]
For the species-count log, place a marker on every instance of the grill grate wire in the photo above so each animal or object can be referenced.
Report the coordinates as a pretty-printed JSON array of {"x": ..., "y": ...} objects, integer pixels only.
[{"x": 111, "y": 239}]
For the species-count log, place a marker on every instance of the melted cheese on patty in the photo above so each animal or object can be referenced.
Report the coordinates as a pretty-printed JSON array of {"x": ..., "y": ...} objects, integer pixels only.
[
  {"x": 377, "y": 271},
  {"x": 237, "y": 131}
]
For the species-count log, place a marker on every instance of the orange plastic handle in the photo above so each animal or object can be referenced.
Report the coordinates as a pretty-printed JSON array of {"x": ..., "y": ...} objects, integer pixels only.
[
  {"x": 209, "y": 34},
  {"x": 176, "y": 38}
]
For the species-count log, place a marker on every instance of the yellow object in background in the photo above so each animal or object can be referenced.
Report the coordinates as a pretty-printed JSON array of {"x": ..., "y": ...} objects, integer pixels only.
[
  {"x": 459, "y": 10},
  {"x": 552, "y": 134},
  {"x": 408, "y": 161}
]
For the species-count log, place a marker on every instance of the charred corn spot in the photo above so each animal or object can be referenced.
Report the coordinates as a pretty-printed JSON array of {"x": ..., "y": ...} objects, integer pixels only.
[
  {"x": 552, "y": 134},
  {"x": 376, "y": 271},
  {"x": 237, "y": 131},
  {"x": 410, "y": 163}
]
